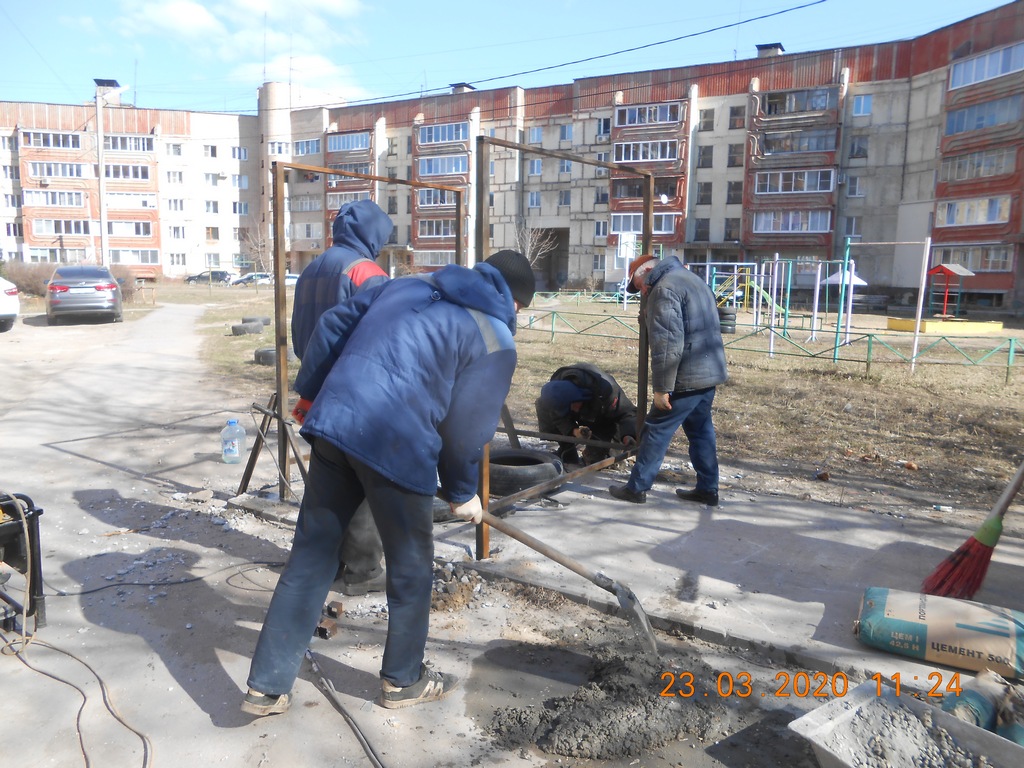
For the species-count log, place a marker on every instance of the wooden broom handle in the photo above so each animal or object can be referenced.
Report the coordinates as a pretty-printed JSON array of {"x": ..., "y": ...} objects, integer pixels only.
[{"x": 1003, "y": 502}]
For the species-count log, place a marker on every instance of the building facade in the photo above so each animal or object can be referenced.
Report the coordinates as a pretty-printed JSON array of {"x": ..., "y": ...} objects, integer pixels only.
[{"x": 788, "y": 156}]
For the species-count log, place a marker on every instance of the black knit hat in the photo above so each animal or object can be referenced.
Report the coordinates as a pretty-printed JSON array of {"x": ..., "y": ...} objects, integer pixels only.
[{"x": 517, "y": 272}]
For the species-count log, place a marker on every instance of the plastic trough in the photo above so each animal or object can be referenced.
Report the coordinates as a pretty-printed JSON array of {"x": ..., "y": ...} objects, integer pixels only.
[{"x": 818, "y": 726}]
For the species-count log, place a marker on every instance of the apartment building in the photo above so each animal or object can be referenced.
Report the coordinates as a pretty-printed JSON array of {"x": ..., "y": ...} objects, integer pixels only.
[{"x": 788, "y": 156}]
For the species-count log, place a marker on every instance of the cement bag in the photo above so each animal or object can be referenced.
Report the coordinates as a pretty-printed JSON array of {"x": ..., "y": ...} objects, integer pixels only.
[
  {"x": 1010, "y": 718},
  {"x": 943, "y": 630},
  {"x": 979, "y": 700}
]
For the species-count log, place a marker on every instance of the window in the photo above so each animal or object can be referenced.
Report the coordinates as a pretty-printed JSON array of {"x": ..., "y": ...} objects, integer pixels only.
[
  {"x": 703, "y": 193},
  {"x": 54, "y": 170},
  {"x": 855, "y": 186},
  {"x": 533, "y": 200},
  {"x": 392, "y": 205},
  {"x": 428, "y": 198},
  {"x": 812, "y": 100},
  {"x": 732, "y": 230},
  {"x": 600, "y": 229},
  {"x": 131, "y": 200},
  {"x": 337, "y": 199},
  {"x": 45, "y": 199},
  {"x": 977, "y": 258},
  {"x": 737, "y": 118},
  {"x": 735, "y": 158},
  {"x": 535, "y": 134},
  {"x": 634, "y": 187},
  {"x": 820, "y": 140},
  {"x": 392, "y": 147},
  {"x": 782, "y": 182},
  {"x": 965, "y": 213},
  {"x": 212, "y": 179},
  {"x": 212, "y": 259},
  {"x": 213, "y": 233},
  {"x": 604, "y": 127},
  {"x": 599, "y": 261},
  {"x": 490, "y": 169},
  {"x": 986, "y": 66},
  {"x": 564, "y": 197},
  {"x": 992, "y": 162},
  {"x": 344, "y": 142},
  {"x": 12, "y": 172},
  {"x": 437, "y": 228},
  {"x": 209, "y": 150},
  {"x": 212, "y": 206},
  {"x": 984, "y": 115},
  {"x": 14, "y": 229},
  {"x": 128, "y": 143},
  {"x": 706, "y": 156},
  {"x": 126, "y": 171},
  {"x": 129, "y": 228},
  {"x": 858, "y": 147},
  {"x": 862, "y": 105},
  {"x": 239, "y": 153},
  {"x": 444, "y": 133},
  {"x": 307, "y": 231},
  {"x": 60, "y": 227},
  {"x": 602, "y": 157},
  {"x": 278, "y": 148},
  {"x": 13, "y": 201},
  {"x": 306, "y": 147},
  {"x": 176, "y": 259},
  {"x": 9, "y": 142},
  {"x": 853, "y": 227},
  {"x": 240, "y": 181},
  {"x": 174, "y": 150},
  {"x": 792, "y": 221},
  {"x": 565, "y": 132},
  {"x": 702, "y": 230},
  {"x": 240, "y": 209},
  {"x": 646, "y": 115},
  {"x": 706, "y": 121},
  {"x": 490, "y": 199},
  {"x": 535, "y": 167},
  {"x": 304, "y": 203},
  {"x": 176, "y": 233},
  {"x": 663, "y": 223},
  {"x": 175, "y": 204},
  {"x": 734, "y": 193},
  {"x": 443, "y": 165},
  {"x": 48, "y": 140},
  {"x": 565, "y": 166},
  {"x": 645, "y": 150},
  {"x": 601, "y": 196}
]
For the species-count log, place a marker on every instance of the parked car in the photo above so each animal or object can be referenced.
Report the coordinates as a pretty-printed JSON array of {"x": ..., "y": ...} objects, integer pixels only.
[
  {"x": 10, "y": 305},
  {"x": 221, "y": 276},
  {"x": 289, "y": 280},
  {"x": 80, "y": 290},
  {"x": 253, "y": 278}
]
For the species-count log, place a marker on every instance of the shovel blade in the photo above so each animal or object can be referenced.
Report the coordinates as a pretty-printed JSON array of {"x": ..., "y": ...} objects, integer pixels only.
[{"x": 637, "y": 616}]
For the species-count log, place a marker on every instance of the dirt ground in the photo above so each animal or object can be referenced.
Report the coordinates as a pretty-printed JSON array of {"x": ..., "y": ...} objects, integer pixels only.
[{"x": 558, "y": 683}]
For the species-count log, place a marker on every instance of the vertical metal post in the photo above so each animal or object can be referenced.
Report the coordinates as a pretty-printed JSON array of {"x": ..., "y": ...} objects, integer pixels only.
[
  {"x": 925, "y": 258},
  {"x": 483, "y": 208},
  {"x": 101, "y": 174},
  {"x": 842, "y": 296},
  {"x": 280, "y": 324}
]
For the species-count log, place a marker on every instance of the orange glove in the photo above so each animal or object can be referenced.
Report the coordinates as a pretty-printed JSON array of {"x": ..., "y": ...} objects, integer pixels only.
[{"x": 301, "y": 409}]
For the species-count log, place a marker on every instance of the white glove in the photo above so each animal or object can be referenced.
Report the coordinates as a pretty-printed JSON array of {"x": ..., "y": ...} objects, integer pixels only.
[{"x": 471, "y": 511}]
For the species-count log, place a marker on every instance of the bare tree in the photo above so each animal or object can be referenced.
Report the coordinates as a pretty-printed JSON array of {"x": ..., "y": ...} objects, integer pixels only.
[
  {"x": 256, "y": 245},
  {"x": 534, "y": 243}
]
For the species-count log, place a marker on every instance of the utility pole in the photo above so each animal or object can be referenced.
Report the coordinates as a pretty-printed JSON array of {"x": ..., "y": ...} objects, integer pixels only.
[{"x": 104, "y": 89}]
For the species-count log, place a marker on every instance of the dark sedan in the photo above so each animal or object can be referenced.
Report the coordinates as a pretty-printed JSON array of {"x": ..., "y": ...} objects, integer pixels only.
[{"x": 82, "y": 290}]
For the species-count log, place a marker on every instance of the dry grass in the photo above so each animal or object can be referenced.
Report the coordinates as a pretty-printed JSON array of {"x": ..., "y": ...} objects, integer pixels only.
[{"x": 889, "y": 442}]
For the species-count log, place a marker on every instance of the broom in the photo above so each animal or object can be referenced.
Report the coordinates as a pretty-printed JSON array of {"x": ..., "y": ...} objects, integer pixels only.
[{"x": 961, "y": 574}]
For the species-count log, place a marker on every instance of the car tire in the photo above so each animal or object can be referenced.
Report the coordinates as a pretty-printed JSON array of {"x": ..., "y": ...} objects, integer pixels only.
[
  {"x": 241, "y": 329},
  {"x": 513, "y": 469},
  {"x": 6, "y": 325},
  {"x": 268, "y": 356},
  {"x": 264, "y": 320},
  {"x": 52, "y": 320}
]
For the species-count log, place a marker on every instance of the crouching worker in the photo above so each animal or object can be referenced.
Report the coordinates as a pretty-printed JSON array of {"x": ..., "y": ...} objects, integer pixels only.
[
  {"x": 583, "y": 401},
  {"x": 407, "y": 381}
]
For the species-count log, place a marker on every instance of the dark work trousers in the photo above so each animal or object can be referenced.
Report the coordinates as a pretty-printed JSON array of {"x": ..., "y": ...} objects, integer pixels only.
[
  {"x": 361, "y": 547},
  {"x": 692, "y": 412},
  {"x": 336, "y": 486}
]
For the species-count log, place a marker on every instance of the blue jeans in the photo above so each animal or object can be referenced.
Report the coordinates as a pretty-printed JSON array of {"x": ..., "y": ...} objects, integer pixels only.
[
  {"x": 692, "y": 412},
  {"x": 336, "y": 486}
]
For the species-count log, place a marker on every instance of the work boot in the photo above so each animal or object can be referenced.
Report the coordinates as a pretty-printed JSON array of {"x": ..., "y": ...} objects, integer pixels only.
[
  {"x": 622, "y": 492},
  {"x": 701, "y": 497},
  {"x": 260, "y": 704},
  {"x": 356, "y": 584},
  {"x": 432, "y": 686}
]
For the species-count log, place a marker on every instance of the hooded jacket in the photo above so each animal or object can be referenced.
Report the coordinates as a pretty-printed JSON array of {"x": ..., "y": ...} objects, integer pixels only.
[
  {"x": 409, "y": 377},
  {"x": 687, "y": 352},
  {"x": 360, "y": 229}
]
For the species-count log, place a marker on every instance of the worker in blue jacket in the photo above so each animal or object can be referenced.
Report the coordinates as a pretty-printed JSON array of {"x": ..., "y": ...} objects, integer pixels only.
[{"x": 406, "y": 381}]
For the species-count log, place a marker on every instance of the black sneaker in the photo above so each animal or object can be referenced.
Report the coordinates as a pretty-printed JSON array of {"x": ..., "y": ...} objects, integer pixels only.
[
  {"x": 622, "y": 492},
  {"x": 701, "y": 497},
  {"x": 260, "y": 704},
  {"x": 432, "y": 686}
]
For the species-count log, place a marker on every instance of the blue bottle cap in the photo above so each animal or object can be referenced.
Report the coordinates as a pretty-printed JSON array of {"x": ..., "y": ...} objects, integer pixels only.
[{"x": 232, "y": 421}]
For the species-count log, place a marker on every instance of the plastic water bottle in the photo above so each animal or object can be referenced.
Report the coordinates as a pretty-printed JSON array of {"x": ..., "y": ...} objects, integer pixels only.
[{"x": 232, "y": 442}]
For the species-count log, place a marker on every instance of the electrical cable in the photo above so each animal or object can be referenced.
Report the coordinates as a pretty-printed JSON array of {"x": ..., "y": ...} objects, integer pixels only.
[{"x": 26, "y": 638}]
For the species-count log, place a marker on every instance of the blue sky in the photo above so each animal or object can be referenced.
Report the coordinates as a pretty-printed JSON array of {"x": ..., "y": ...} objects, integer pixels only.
[{"x": 212, "y": 55}]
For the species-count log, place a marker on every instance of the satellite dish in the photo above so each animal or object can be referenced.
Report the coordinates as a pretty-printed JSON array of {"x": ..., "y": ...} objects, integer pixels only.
[{"x": 664, "y": 199}]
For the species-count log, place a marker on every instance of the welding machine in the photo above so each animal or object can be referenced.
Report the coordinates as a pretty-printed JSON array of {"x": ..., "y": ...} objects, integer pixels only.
[{"x": 19, "y": 549}]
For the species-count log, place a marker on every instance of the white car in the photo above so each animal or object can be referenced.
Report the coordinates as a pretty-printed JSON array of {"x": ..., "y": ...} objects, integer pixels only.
[
  {"x": 10, "y": 305},
  {"x": 289, "y": 280}
]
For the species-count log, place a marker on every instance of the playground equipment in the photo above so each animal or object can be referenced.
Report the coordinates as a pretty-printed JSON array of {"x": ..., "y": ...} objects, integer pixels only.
[{"x": 948, "y": 272}]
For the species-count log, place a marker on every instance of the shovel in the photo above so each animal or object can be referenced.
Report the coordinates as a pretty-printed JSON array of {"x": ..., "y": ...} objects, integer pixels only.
[{"x": 628, "y": 602}]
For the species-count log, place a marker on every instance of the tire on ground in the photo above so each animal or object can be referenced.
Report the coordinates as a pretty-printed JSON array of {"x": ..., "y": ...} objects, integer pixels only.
[
  {"x": 514, "y": 469},
  {"x": 241, "y": 329},
  {"x": 261, "y": 319},
  {"x": 268, "y": 356}
]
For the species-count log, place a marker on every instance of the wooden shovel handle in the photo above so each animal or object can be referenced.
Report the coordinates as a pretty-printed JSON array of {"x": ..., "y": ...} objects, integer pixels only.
[{"x": 1013, "y": 487}]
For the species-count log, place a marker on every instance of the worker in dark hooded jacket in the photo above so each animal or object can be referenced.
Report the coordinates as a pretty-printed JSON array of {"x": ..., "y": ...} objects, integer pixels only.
[
  {"x": 360, "y": 230},
  {"x": 584, "y": 401},
  {"x": 407, "y": 382}
]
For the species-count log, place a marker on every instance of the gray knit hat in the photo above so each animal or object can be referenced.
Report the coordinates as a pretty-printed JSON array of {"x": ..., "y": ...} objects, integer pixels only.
[{"x": 518, "y": 274}]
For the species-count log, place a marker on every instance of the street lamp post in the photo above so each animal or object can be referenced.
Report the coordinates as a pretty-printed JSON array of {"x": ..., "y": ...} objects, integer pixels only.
[{"x": 104, "y": 90}]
